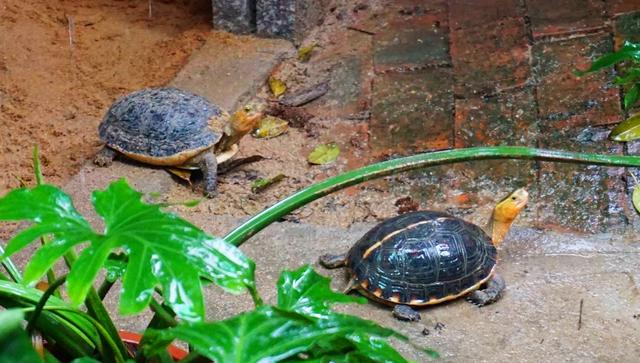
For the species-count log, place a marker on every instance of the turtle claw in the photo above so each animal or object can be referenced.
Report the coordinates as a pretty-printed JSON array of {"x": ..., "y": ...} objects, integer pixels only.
[
  {"x": 405, "y": 313},
  {"x": 104, "y": 157},
  {"x": 490, "y": 294}
]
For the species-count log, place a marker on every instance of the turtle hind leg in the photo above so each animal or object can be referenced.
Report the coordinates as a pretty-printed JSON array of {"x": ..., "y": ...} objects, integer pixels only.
[
  {"x": 209, "y": 166},
  {"x": 104, "y": 157},
  {"x": 489, "y": 294},
  {"x": 333, "y": 261},
  {"x": 405, "y": 313}
]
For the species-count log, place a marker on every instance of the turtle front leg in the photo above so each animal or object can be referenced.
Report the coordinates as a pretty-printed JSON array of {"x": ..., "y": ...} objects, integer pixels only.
[
  {"x": 105, "y": 156},
  {"x": 405, "y": 313},
  {"x": 489, "y": 294},
  {"x": 209, "y": 167},
  {"x": 333, "y": 261}
]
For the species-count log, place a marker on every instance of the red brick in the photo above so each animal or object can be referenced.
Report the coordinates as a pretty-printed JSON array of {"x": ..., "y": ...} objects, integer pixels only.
[
  {"x": 577, "y": 197},
  {"x": 505, "y": 119},
  {"x": 562, "y": 17},
  {"x": 617, "y": 7},
  {"x": 468, "y": 14},
  {"x": 414, "y": 41},
  {"x": 346, "y": 63},
  {"x": 491, "y": 57},
  {"x": 412, "y": 111},
  {"x": 565, "y": 100}
]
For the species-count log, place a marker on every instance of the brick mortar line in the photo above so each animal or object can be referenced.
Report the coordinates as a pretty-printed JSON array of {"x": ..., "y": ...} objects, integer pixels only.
[{"x": 534, "y": 90}]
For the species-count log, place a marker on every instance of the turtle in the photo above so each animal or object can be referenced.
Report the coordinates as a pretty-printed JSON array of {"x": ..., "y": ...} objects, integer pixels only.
[
  {"x": 174, "y": 128},
  {"x": 426, "y": 257}
]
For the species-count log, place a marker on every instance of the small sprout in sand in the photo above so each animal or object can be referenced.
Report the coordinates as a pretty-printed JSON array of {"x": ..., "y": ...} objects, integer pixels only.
[
  {"x": 324, "y": 154},
  {"x": 277, "y": 86}
]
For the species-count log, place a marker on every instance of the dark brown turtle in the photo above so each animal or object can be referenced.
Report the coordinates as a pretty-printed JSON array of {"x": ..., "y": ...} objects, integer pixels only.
[
  {"x": 173, "y": 128},
  {"x": 426, "y": 257}
]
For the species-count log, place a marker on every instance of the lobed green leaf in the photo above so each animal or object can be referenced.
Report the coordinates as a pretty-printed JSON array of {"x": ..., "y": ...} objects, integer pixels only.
[
  {"x": 309, "y": 293},
  {"x": 629, "y": 51}
]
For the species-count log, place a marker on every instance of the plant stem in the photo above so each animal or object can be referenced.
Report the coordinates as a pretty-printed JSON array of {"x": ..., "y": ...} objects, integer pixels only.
[
  {"x": 258, "y": 222},
  {"x": 37, "y": 170},
  {"x": 255, "y": 296},
  {"x": 104, "y": 288},
  {"x": 162, "y": 313},
  {"x": 11, "y": 268},
  {"x": 43, "y": 301}
]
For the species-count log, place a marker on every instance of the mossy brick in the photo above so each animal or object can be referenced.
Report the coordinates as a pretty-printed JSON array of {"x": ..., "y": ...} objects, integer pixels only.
[
  {"x": 347, "y": 65},
  {"x": 565, "y": 17},
  {"x": 618, "y": 7},
  {"x": 586, "y": 198},
  {"x": 470, "y": 14},
  {"x": 504, "y": 119},
  {"x": 412, "y": 41},
  {"x": 412, "y": 111},
  {"x": 627, "y": 27},
  {"x": 490, "y": 57},
  {"x": 566, "y": 100}
]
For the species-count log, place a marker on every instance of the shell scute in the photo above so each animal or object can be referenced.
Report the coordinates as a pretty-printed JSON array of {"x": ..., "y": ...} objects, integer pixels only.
[
  {"x": 421, "y": 258},
  {"x": 159, "y": 123}
]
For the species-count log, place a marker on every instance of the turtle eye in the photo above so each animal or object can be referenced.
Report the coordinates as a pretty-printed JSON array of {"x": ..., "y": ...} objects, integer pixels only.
[{"x": 513, "y": 198}]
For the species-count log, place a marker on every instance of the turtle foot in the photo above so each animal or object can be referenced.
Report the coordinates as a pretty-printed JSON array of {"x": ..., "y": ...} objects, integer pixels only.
[
  {"x": 104, "y": 157},
  {"x": 332, "y": 261},
  {"x": 490, "y": 294},
  {"x": 405, "y": 313}
]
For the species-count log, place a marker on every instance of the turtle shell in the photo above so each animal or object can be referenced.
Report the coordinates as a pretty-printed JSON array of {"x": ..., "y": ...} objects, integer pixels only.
[
  {"x": 161, "y": 126},
  {"x": 421, "y": 258}
]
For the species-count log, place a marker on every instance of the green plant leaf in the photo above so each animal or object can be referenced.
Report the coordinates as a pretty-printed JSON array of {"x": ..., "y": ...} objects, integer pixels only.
[
  {"x": 306, "y": 292},
  {"x": 242, "y": 338},
  {"x": 162, "y": 248},
  {"x": 628, "y": 51},
  {"x": 17, "y": 295},
  {"x": 15, "y": 345},
  {"x": 277, "y": 86},
  {"x": 627, "y": 130},
  {"x": 53, "y": 213},
  {"x": 631, "y": 96},
  {"x": 115, "y": 266},
  {"x": 324, "y": 154}
]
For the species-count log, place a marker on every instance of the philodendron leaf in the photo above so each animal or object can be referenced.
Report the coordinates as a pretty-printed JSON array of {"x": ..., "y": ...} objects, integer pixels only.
[
  {"x": 52, "y": 212},
  {"x": 162, "y": 248},
  {"x": 631, "y": 96},
  {"x": 324, "y": 154},
  {"x": 15, "y": 345},
  {"x": 628, "y": 51},
  {"x": 627, "y": 130},
  {"x": 269, "y": 334},
  {"x": 307, "y": 292}
]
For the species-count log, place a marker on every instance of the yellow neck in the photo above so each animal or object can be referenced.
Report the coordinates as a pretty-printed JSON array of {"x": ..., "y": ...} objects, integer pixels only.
[{"x": 498, "y": 227}]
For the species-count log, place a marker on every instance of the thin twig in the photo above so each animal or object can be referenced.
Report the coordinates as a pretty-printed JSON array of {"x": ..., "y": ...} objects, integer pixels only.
[
  {"x": 150, "y": 10},
  {"x": 580, "y": 317},
  {"x": 361, "y": 30},
  {"x": 70, "y": 29}
]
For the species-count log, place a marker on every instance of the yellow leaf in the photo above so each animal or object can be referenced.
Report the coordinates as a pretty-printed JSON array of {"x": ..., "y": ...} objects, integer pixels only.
[
  {"x": 324, "y": 154},
  {"x": 304, "y": 53},
  {"x": 635, "y": 198},
  {"x": 277, "y": 86},
  {"x": 269, "y": 127}
]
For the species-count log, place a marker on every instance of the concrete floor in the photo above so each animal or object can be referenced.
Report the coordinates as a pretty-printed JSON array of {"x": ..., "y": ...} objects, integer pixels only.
[{"x": 549, "y": 275}]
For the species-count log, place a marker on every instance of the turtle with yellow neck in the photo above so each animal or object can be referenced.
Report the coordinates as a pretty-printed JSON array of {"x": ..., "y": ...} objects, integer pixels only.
[{"x": 426, "y": 257}]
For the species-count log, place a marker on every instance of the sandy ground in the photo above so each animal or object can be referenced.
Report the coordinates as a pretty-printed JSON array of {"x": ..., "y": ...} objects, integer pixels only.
[{"x": 63, "y": 62}]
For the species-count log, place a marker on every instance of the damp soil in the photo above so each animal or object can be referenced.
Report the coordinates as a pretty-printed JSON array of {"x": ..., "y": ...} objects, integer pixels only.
[{"x": 63, "y": 62}]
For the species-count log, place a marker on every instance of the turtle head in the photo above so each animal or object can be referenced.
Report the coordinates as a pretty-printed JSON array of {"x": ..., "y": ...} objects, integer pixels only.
[
  {"x": 241, "y": 123},
  {"x": 504, "y": 214}
]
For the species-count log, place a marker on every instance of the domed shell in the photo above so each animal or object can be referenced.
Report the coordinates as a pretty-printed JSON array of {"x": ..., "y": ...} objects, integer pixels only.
[
  {"x": 421, "y": 258},
  {"x": 164, "y": 124}
]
